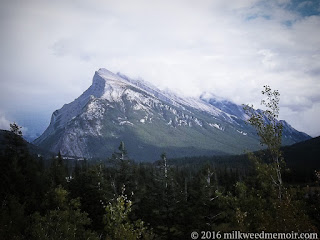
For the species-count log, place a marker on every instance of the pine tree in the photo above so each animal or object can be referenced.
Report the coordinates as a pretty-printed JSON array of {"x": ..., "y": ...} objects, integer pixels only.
[
  {"x": 93, "y": 189},
  {"x": 58, "y": 171},
  {"x": 64, "y": 221},
  {"x": 123, "y": 151}
]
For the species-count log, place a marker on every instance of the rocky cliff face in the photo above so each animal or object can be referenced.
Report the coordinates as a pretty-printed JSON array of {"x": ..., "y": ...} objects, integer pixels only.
[{"x": 116, "y": 108}]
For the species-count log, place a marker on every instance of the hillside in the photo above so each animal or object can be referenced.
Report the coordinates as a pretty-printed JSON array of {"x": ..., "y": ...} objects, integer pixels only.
[{"x": 7, "y": 136}]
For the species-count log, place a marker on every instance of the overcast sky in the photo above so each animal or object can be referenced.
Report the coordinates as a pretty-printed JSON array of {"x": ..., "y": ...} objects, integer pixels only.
[{"x": 49, "y": 51}]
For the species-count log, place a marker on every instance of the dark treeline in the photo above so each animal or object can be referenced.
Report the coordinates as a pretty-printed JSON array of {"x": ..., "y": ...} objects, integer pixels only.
[
  {"x": 120, "y": 199},
  {"x": 301, "y": 160}
]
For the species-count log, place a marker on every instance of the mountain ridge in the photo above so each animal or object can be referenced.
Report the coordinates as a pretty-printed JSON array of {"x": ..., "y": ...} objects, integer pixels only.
[{"x": 117, "y": 108}]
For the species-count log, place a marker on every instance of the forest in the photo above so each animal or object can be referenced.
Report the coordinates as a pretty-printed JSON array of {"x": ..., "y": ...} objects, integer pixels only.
[{"x": 118, "y": 198}]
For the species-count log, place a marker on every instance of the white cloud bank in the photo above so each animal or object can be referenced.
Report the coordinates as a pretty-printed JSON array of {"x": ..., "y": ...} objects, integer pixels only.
[
  {"x": 4, "y": 123},
  {"x": 50, "y": 50}
]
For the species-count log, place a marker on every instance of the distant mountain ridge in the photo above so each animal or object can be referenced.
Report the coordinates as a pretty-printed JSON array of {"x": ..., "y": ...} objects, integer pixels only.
[{"x": 150, "y": 121}]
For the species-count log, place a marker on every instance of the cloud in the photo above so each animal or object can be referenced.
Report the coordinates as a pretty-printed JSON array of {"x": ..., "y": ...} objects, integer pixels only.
[
  {"x": 50, "y": 49},
  {"x": 4, "y": 123},
  {"x": 305, "y": 4}
]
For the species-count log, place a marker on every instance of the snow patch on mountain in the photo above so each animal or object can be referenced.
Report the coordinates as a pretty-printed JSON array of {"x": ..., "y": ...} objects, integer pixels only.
[
  {"x": 216, "y": 126},
  {"x": 94, "y": 111},
  {"x": 243, "y": 133},
  {"x": 126, "y": 123},
  {"x": 198, "y": 122}
]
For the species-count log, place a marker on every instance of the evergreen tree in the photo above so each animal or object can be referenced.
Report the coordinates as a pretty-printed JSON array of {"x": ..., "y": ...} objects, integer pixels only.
[
  {"x": 92, "y": 187},
  {"x": 123, "y": 151},
  {"x": 121, "y": 170},
  {"x": 58, "y": 171},
  {"x": 23, "y": 185},
  {"x": 64, "y": 221}
]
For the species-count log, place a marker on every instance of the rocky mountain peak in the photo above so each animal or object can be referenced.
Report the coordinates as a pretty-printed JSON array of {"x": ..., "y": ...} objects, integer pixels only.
[{"x": 150, "y": 121}]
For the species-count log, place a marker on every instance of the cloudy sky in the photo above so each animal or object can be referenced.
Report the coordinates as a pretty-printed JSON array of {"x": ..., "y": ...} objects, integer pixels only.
[{"x": 50, "y": 50}]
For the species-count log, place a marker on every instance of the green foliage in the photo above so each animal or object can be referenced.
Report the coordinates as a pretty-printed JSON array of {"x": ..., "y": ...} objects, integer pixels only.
[
  {"x": 214, "y": 194},
  {"x": 91, "y": 186},
  {"x": 12, "y": 218},
  {"x": 276, "y": 207},
  {"x": 14, "y": 128},
  {"x": 118, "y": 224},
  {"x": 257, "y": 208},
  {"x": 269, "y": 130},
  {"x": 122, "y": 150},
  {"x": 23, "y": 185},
  {"x": 66, "y": 221},
  {"x": 58, "y": 171}
]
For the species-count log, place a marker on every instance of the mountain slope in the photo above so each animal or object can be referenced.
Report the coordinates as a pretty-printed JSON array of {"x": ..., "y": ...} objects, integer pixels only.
[
  {"x": 302, "y": 159},
  {"x": 116, "y": 108},
  {"x": 303, "y": 156},
  {"x": 6, "y": 139}
]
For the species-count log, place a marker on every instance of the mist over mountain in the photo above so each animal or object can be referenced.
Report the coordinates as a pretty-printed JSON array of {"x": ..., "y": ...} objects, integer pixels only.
[{"x": 117, "y": 108}]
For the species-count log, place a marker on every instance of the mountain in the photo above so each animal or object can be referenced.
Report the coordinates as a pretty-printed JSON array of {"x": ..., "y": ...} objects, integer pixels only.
[{"x": 150, "y": 121}]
